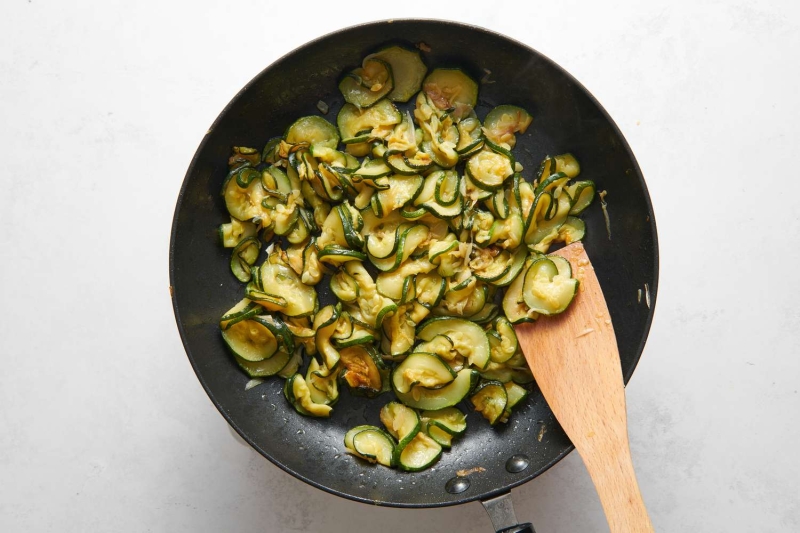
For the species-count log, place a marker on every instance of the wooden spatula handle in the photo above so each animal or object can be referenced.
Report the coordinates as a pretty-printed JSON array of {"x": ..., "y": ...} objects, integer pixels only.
[{"x": 618, "y": 490}]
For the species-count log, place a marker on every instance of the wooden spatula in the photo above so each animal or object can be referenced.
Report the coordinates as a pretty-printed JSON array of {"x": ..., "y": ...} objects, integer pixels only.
[{"x": 575, "y": 360}]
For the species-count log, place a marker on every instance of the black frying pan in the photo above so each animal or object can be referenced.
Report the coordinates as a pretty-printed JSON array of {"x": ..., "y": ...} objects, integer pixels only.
[{"x": 566, "y": 118}]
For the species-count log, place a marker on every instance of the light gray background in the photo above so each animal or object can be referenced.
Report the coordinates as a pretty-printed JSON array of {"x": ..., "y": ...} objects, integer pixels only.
[{"x": 103, "y": 425}]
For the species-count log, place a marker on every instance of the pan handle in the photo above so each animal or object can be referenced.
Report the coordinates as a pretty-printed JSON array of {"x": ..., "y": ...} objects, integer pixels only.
[{"x": 501, "y": 513}]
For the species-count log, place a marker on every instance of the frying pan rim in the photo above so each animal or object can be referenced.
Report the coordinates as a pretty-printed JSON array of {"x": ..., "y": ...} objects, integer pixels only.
[{"x": 194, "y": 162}]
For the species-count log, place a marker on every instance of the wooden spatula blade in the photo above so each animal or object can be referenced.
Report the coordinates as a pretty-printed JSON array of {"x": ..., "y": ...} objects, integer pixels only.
[{"x": 575, "y": 361}]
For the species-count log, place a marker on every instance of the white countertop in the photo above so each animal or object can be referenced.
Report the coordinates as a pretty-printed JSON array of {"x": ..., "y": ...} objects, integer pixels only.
[{"x": 103, "y": 425}]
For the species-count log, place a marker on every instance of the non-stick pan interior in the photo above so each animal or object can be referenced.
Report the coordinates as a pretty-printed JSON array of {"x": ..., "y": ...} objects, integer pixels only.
[{"x": 566, "y": 119}]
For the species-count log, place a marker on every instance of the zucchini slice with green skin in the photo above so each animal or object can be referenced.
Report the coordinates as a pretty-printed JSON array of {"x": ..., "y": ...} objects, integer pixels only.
[
  {"x": 364, "y": 86},
  {"x": 348, "y": 437},
  {"x": 514, "y": 306},
  {"x": 266, "y": 368},
  {"x": 312, "y": 130},
  {"x": 325, "y": 323},
  {"x": 573, "y": 230},
  {"x": 421, "y": 369},
  {"x": 390, "y": 284},
  {"x": 447, "y": 396},
  {"x": 235, "y": 232},
  {"x": 372, "y": 169},
  {"x": 344, "y": 287},
  {"x": 469, "y": 340},
  {"x": 503, "y": 122},
  {"x": 443, "y": 438},
  {"x": 244, "y": 257},
  {"x": 490, "y": 400},
  {"x": 567, "y": 164},
  {"x": 408, "y": 71},
  {"x": 363, "y": 370},
  {"x": 243, "y": 195},
  {"x": 398, "y": 332},
  {"x": 430, "y": 288},
  {"x": 409, "y": 240},
  {"x": 546, "y": 231},
  {"x": 322, "y": 384},
  {"x": 517, "y": 262},
  {"x": 241, "y": 311},
  {"x": 297, "y": 392},
  {"x": 337, "y": 255},
  {"x": 401, "y": 422},
  {"x": 516, "y": 394},
  {"x": 250, "y": 340},
  {"x": 402, "y": 189},
  {"x": 449, "y": 419},
  {"x": 485, "y": 315},
  {"x": 545, "y": 290},
  {"x": 448, "y": 87},
  {"x": 503, "y": 340},
  {"x": 361, "y": 125},
  {"x": 293, "y": 365},
  {"x": 375, "y": 446},
  {"x": 489, "y": 170},
  {"x": 419, "y": 454},
  {"x": 582, "y": 194},
  {"x": 301, "y": 300},
  {"x": 470, "y": 136}
]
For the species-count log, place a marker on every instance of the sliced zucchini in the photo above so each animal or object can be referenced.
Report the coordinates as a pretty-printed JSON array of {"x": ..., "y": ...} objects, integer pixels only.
[
  {"x": 469, "y": 340},
  {"x": 582, "y": 194},
  {"x": 363, "y": 370},
  {"x": 322, "y": 383},
  {"x": 283, "y": 282},
  {"x": 292, "y": 366},
  {"x": 241, "y": 311},
  {"x": 545, "y": 290},
  {"x": 344, "y": 287},
  {"x": 312, "y": 130},
  {"x": 337, "y": 255},
  {"x": 364, "y": 86},
  {"x": 297, "y": 392},
  {"x": 514, "y": 306},
  {"x": 235, "y": 232},
  {"x": 419, "y": 454},
  {"x": 516, "y": 394},
  {"x": 267, "y": 367},
  {"x": 408, "y": 70},
  {"x": 244, "y": 193},
  {"x": 503, "y": 340},
  {"x": 449, "y": 419},
  {"x": 503, "y": 122},
  {"x": 490, "y": 400},
  {"x": 443, "y": 438},
  {"x": 470, "y": 136},
  {"x": 374, "y": 445},
  {"x": 402, "y": 189},
  {"x": 401, "y": 422},
  {"x": 447, "y": 396},
  {"x": 244, "y": 257},
  {"x": 361, "y": 125},
  {"x": 398, "y": 331},
  {"x": 489, "y": 170},
  {"x": 573, "y": 230},
  {"x": 449, "y": 87},
  {"x": 372, "y": 169},
  {"x": 250, "y": 340},
  {"x": 421, "y": 369},
  {"x": 390, "y": 284},
  {"x": 325, "y": 323}
]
